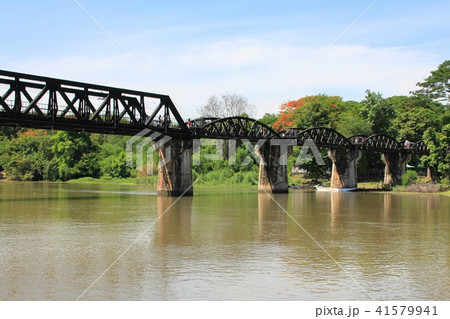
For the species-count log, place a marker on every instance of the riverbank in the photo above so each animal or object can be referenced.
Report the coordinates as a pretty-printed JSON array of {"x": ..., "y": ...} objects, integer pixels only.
[
  {"x": 148, "y": 180},
  {"x": 205, "y": 183},
  {"x": 153, "y": 180}
]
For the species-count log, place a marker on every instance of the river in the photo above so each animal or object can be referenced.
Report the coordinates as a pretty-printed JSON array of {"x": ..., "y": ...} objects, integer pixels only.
[{"x": 57, "y": 239}]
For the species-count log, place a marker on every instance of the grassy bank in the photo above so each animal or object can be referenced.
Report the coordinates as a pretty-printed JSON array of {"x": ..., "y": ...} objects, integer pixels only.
[
  {"x": 219, "y": 178},
  {"x": 226, "y": 178},
  {"x": 149, "y": 180},
  {"x": 222, "y": 179}
]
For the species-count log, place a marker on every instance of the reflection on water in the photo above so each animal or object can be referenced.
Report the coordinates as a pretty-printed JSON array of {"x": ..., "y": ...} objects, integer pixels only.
[
  {"x": 56, "y": 239},
  {"x": 271, "y": 217},
  {"x": 174, "y": 223}
]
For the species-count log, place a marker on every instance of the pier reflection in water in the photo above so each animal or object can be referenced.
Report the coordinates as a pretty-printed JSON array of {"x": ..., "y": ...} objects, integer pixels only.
[
  {"x": 272, "y": 217},
  {"x": 56, "y": 239}
]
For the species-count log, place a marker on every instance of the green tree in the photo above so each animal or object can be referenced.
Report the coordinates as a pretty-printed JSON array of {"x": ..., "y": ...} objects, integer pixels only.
[
  {"x": 438, "y": 145},
  {"x": 75, "y": 155},
  {"x": 29, "y": 156},
  {"x": 115, "y": 166},
  {"x": 414, "y": 115},
  {"x": 352, "y": 122},
  {"x": 269, "y": 119},
  {"x": 437, "y": 85},
  {"x": 379, "y": 113}
]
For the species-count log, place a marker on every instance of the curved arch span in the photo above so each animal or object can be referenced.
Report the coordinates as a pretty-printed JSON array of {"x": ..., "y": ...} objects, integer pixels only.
[
  {"x": 419, "y": 148},
  {"x": 381, "y": 143},
  {"x": 323, "y": 136},
  {"x": 237, "y": 127}
]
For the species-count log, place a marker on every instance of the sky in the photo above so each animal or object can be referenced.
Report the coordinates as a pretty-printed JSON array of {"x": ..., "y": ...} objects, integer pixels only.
[{"x": 268, "y": 51}]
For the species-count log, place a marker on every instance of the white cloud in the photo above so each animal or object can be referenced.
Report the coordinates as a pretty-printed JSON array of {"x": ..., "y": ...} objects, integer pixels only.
[{"x": 260, "y": 70}]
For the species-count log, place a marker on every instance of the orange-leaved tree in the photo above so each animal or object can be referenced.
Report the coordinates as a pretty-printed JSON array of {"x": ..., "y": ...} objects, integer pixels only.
[{"x": 310, "y": 111}]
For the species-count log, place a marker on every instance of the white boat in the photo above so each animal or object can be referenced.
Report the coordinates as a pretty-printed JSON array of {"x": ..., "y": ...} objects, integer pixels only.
[{"x": 334, "y": 189}]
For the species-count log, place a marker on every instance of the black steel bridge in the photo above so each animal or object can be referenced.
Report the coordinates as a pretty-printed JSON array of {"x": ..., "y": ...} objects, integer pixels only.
[{"x": 46, "y": 103}]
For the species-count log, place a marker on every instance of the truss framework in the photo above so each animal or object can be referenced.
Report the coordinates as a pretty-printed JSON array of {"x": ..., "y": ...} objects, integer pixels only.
[{"x": 42, "y": 102}]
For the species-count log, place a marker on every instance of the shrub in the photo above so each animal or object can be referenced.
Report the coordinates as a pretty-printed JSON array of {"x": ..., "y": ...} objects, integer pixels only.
[
  {"x": 251, "y": 178},
  {"x": 446, "y": 182},
  {"x": 409, "y": 177}
]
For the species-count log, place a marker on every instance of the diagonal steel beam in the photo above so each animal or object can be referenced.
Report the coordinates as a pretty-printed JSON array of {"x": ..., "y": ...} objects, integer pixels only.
[
  {"x": 5, "y": 105},
  {"x": 70, "y": 105},
  {"x": 32, "y": 101},
  {"x": 126, "y": 107},
  {"x": 155, "y": 112},
  {"x": 105, "y": 102}
]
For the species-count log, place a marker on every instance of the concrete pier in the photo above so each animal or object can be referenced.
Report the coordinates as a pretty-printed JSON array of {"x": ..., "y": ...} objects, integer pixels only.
[
  {"x": 344, "y": 170},
  {"x": 175, "y": 169},
  {"x": 395, "y": 167},
  {"x": 272, "y": 169}
]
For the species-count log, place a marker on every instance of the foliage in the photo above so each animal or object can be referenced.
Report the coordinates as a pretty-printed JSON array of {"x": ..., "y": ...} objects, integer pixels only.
[
  {"x": 414, "y": 115},
  {"x": 438, "y": 145},
  {"x": 75, "y": 155},
  {"x": 47, "y": 155},
  {"x": 268, "y": 119},
  {"x": 437, "y": 85},
  {"x": 379, "y": 113},
  {"x": 115, "y": 166},
  {"x": 352, "y": 122},
  {"x": 409, "y": 177},
  {"x": 8, "y": 132},
  {"x": 29, "y": 156},
  {"x": 310, "y": 111},
  {"x": 229, "y": 177},
  {"x": 446, "y": 182}
]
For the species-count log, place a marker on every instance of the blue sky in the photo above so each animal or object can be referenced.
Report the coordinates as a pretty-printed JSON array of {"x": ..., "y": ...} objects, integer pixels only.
[{"x": 194, "y": 49}]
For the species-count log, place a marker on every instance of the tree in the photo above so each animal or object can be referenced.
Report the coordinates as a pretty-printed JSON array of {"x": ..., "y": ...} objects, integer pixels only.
[
  {"x": 352, "y": 122},
  {"x": 230, "y": 104},
  {"x": 268, "y": 119},
  {"x": 437, "y": 85},
  {"x": 438, "y": 145},
  {"x": 29, "y": 157},
  {"x": 75, "y": 155},
  {"x": 379, "y": 113},
  {"x": 310, "y": 111},
  {"x": 414, "y": 115}
]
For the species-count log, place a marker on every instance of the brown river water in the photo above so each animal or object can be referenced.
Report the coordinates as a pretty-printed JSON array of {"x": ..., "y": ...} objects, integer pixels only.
[{"x": 56, "y": 241}]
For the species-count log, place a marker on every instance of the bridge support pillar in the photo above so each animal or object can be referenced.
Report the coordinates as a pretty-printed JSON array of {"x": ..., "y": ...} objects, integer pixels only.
[
  {"x": 272, "y": 169},
  {"x": 175, "y": 169},
  {"x": 344, "y": 170},
  {"x": 395, "y": 166}
]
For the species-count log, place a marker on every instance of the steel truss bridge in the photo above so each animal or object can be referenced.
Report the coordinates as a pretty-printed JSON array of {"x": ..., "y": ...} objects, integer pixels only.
[{"x": 46, "y": 103}]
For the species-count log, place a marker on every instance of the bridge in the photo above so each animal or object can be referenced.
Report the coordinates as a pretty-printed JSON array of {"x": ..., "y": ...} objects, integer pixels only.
[{"x": 47, "y": 103}]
